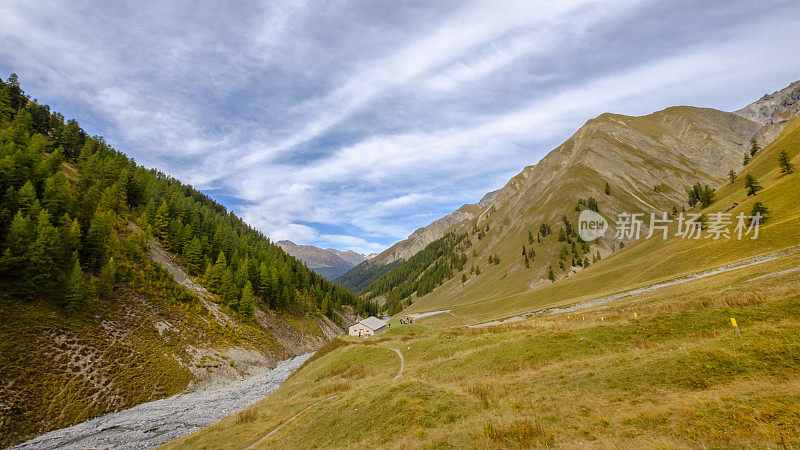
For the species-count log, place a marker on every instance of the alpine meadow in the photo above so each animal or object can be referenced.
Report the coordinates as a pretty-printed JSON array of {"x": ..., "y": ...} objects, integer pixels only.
[{"x": 400, "y": 225}]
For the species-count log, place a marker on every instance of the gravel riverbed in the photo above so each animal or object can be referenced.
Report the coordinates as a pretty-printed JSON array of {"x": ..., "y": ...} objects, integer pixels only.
[{"x": 151, "y": 424}]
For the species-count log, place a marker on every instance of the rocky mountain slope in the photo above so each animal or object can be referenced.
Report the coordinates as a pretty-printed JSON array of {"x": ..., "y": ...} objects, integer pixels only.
[
  {"x": 647, "y": 163},
  {"x": 772, "y": 112},
  {"x": 328, "y": 262}
]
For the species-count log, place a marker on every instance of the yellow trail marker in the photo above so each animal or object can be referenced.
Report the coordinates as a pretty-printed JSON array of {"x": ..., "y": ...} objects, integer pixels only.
[
  {"x": 602, "y": 318},
  {"x": 735, "y": 326},
  {"x": 635, "y": 316}
]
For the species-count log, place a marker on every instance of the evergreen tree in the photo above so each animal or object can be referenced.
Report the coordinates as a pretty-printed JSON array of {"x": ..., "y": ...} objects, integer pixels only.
[
  {"x": 56, "y": 197},
  {"x": 732, "y": 176},
  {"x": 463, "y": 278},
  {"x": 707, "y": 196},
  {"x": 96, "y": 245},
  {"x": 42, "y": 253},
  {"x": 785, "y": 163},
  {"x": 230, "y": 292},
  {"x": 754, "y": 147},
  {"x": 530, "y": 237},
  {"x": 760, "y": 211},
  {"x": 746, "y": 160},
  {"x": 551, "y": 275},
  {"x": 75, "y": 289},
  {"x": 607, "y": 190},
  {"x": 247, "y": 300},
  {"x": 26, "y": 197},
  {"x": 161, "y": 225},
  {"x": 215, "y": 273},
  {"x": 108, "y": 279},
  {"x": 193, "y": 254},
  {"x": 751, "y": 185}
]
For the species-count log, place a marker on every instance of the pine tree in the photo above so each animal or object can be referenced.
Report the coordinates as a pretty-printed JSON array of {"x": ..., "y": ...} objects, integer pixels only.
[
  {"x": 732, "y": 176},
  {"x": 746, "y": 160},
  {"x": 760, "y": 211},
  {"x": 754, "y": 147},
  {"x": 215, "y": 273},
  {"x": 97, "y": 239},
  {"x": 57, "y": 196},
  {"x": 496, "y": 259},
  {"x": 247, "y": 300},
  {"x": 551, "y": 275},
  {"x": 463, "y": 278},
  {"x": 108, "y": 279},
  {"x": 26, "y": 196},
  {"x": 530, "y": 237},
  {"x": 751, "y": 185},
  {"x": 785, "y": 163},
  {"x": 161, "y": 226},
  {"x": 193, "y": 254},
  {"x": 75, "y": 289},
  {"x": 230, "y": 292},
  {"x": 42, "y": 253},
  {"x": 607, "y": 190}
]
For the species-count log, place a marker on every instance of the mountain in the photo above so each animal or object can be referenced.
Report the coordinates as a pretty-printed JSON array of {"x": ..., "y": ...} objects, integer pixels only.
[
  {"x": 368, "y": 271},
  {"x": 773, "y": 111},
  {"x": 120, "y": 284},
  {"x": 676, "y": 343},
  {"x": 328, "y": 262},
  {"x": 647, "y": 162}
]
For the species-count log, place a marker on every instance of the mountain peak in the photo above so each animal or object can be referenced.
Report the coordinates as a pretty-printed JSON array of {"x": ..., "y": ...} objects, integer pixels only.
[{"x": 776, "y": 107}]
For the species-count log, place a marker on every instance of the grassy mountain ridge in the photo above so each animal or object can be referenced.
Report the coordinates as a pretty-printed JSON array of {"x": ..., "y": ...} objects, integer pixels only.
[
  {"x": 119, "y": 284},
  {"x": 647, "y": 261},
  {"x": 660, "y": 369},
  {"x": 647, "y": 163}
]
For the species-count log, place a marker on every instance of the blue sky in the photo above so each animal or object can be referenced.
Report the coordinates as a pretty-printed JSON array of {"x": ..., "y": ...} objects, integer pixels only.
[{"x": 349, "y": 124}]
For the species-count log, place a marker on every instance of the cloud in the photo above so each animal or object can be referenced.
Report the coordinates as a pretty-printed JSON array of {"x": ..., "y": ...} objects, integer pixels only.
[{"x": 352, "y": 124}]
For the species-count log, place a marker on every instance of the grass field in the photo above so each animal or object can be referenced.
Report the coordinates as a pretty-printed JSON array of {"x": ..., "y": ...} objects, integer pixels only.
[{"x": 676, "y": 376}]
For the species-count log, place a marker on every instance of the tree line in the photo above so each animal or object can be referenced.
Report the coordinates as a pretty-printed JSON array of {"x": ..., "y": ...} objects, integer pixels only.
[{"x": 76, "y": 215}]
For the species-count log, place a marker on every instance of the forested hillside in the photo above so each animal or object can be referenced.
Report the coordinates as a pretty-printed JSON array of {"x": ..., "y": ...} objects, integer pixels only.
[
  {"x": 120, "y": 284},
  {"x": 428, "y": 268},
  {"x": 67, "y": 196}
]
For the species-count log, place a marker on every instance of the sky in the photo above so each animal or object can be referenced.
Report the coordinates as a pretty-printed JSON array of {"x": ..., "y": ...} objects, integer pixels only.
[{"x": 349, "y": 124}]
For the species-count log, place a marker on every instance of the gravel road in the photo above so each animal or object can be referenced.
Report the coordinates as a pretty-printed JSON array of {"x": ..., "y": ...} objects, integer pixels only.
[
  {"x": 608, "y": 299},
  {"x": 151, "y": 424}
]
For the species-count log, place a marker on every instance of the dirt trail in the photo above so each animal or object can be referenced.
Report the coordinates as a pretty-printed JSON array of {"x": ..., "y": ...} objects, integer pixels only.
[
  {"x": 402, "y": 363},
  {"x": 685, "y": 279},
  {"x": 151, "y": 424}
]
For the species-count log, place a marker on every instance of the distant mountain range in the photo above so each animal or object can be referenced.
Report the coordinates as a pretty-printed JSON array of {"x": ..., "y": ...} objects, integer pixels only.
[{"x": 328, "y": 262}]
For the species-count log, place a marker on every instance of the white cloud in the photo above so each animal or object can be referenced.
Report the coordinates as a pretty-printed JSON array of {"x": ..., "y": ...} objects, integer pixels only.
[{"x": 320, "y": 137}]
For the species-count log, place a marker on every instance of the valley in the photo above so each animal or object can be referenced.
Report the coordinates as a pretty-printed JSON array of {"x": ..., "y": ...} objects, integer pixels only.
[
  {"x": 635, "y": 349},
  {"x": 628, "y": 280}
]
